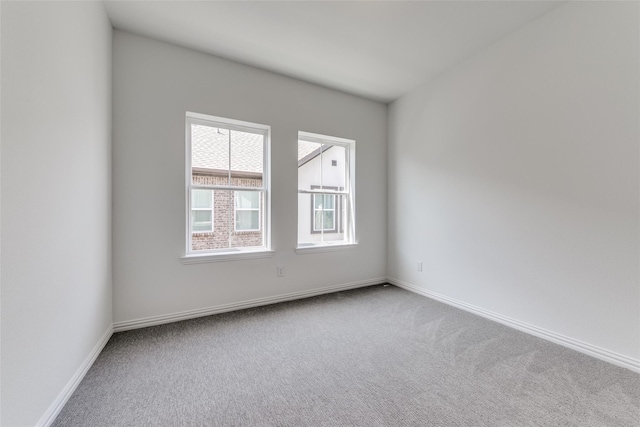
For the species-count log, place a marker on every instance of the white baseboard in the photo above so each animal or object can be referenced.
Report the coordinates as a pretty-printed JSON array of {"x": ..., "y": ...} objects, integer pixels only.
[
  {"x": 191, "y": 314},
  {"x": 591, "y": 350},
  {"x": 54, "y": 409}
]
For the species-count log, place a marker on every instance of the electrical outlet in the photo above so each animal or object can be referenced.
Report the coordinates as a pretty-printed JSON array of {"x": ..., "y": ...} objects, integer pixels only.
[
  {"x": 280, "y": 271},
  {"x": 419, "y": 265}
]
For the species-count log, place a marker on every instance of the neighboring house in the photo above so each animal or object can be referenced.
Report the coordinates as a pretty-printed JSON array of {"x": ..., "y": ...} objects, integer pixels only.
[{"x": 227, "y": 219}]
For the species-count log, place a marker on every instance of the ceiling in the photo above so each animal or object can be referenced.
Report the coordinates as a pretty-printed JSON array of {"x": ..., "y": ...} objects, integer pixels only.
[{"x": 379, "y": 50}]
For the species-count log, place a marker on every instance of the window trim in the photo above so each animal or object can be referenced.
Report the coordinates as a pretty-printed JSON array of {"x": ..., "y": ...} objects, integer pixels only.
[
  {"x": 234, "y": 255},
  {"x": 213, "y": 255},
  {"x": 349, "y": 228}
]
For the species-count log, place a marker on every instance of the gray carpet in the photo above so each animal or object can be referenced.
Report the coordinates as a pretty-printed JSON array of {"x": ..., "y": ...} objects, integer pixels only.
[{"x": 377, "y": 356}]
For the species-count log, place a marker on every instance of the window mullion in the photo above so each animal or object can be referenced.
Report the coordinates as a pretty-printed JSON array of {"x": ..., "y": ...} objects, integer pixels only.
[
  {"x": 322, "y": 187},
  {"x": 229, "y": 168},
  {"x": 232, "y": 196},
  {"x": 226, "y": 187},
  {"x": 231, "y": 216}
]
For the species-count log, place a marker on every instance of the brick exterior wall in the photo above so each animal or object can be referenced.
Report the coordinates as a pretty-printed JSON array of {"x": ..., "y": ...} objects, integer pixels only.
[{"x": 224, "y": 216}]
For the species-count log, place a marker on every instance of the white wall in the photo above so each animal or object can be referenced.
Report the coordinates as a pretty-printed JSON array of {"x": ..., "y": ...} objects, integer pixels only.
[
  {"x": 514, "y": 178},
  {"x": 56, "y": 233},
  {"x": 154, "y": 85}
]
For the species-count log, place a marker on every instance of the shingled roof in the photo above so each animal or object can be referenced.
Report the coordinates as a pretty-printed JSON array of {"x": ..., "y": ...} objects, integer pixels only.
[
  {"x": 305, "y": 148},
  {"x": 210, "y": 149}
]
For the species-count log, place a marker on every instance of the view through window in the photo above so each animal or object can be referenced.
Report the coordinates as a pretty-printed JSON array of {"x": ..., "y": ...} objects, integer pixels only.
[
  {"x": 325, "y": 192},
  {"x": 227, "y": 185}
]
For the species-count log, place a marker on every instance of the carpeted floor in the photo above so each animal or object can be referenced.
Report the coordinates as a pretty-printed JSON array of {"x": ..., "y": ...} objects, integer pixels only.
[{"x": 377, "y": 356}]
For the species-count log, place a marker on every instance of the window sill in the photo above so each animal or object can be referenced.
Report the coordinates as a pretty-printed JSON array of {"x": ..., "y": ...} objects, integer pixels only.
[
  {"x": 226, "y": 256},
  {"x": 327, "y": 247}
]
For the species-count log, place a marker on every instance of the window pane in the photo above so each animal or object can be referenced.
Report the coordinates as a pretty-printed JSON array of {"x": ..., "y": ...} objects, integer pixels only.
[
  {"x": 209, "y": 155},
  {"x": 321, "y": 165},
  {"x": 323, "y": 201},
  {"x": 305, "y": 218},
  {"x": 207, "y": 236},
  {"x": 324, "y": 220},
  {"x": 247, "y": 225},
  {"x": 247, "y": 220},
  {"x": 328, "y": 201},
  {"x": 247, "y": 154},
  {"x": 247, "y": 199},
  {"x": 201, "y": 221},
  {"x": 327, "y": 220},
  {"x": 309, "y": 167},
  {"x": 202, "y": 199},
  {"x": 333, "y": 166}
]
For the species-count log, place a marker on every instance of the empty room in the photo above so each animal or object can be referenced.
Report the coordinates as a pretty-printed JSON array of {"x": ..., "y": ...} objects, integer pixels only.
[{"x": 320, "y": 213}]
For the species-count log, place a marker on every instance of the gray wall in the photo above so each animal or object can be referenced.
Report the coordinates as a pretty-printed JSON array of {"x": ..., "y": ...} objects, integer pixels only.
[
  {"x": 514, "y": 178},
  {"x": 154, "y": 85},
  {"x": 56, "y": 189}
]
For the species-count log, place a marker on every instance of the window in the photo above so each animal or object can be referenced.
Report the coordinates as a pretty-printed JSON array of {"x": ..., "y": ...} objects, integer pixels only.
[
  {"x": 324, "y": 212},
  {"x": 326, "y": 167},
  {"x": 227, "y": 185},
  {"x": 202, "y": 211},
  {"x": 247, "y": 211}
]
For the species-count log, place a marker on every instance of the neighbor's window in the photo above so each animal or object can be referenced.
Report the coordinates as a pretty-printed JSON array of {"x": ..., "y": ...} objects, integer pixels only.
[
  {"x": 202, "y": 211},
  {"x": 326, "y": 168},
  {"x": 227, "y": 185},
  {"x": 324, "y": 212},
  {"x": 247, "y": 211}
]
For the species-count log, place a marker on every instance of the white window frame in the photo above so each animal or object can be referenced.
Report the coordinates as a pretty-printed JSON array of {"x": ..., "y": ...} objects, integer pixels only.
[
  {"x": 212, "y": 209},
  {"x": 236, "y": 210},
  {"x": 228, "y": 254},
  {"x": 349, "y": 193}
]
